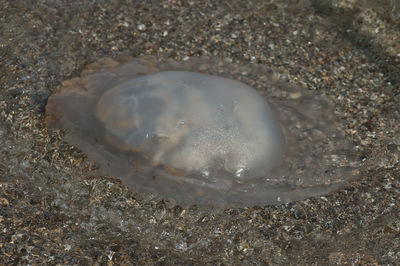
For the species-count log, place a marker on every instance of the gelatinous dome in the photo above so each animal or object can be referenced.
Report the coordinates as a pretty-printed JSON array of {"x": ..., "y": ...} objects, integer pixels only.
[
  {"x": 197, "y": 123},
  {"x": 203, "y": 139}
]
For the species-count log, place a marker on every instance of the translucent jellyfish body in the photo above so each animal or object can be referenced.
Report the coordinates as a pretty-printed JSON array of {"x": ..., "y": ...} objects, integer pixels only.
[{"x": 203, "y": 132}]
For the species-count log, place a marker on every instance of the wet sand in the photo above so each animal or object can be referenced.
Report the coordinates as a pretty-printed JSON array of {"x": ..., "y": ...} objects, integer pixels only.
[{"x": 55, "y": 210}]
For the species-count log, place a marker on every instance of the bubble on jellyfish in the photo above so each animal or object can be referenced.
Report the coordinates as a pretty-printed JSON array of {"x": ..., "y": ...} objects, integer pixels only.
[{"x": 204, "y": 132}]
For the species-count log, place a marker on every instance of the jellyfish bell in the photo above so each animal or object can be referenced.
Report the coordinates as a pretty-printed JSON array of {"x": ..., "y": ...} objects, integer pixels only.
[
  {"x": 193, "y": 122},
  {"x": 193, "y": 132}
]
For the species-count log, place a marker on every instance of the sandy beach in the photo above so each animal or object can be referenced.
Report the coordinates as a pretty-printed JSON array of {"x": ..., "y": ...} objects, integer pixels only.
[{"x": 53, "y": 210}]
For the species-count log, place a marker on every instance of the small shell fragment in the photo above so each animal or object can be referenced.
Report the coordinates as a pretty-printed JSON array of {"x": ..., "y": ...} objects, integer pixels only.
[{"x": 203, "y": 132}]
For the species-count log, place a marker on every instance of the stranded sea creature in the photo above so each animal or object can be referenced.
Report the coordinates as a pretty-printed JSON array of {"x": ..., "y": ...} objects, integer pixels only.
[{"x": 198, "y": 133}]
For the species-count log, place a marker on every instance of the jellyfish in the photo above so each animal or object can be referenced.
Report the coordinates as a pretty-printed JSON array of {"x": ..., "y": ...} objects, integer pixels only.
[{"x": 205, "y": 132}]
